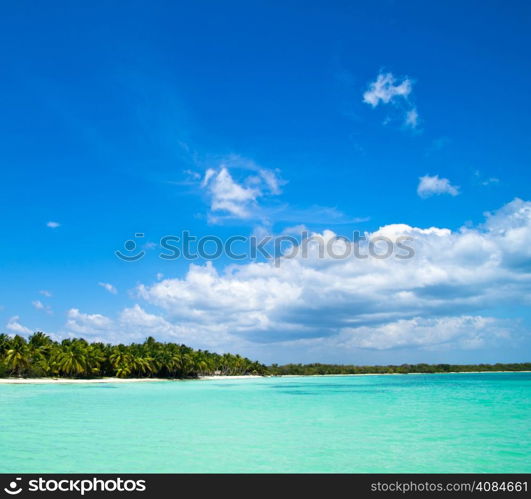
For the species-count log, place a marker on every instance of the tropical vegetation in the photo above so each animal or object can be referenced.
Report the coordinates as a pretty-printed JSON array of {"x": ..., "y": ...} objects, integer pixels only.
[
  {"x": 320, "y": 369},
  {"x": 40, "y": 356}
]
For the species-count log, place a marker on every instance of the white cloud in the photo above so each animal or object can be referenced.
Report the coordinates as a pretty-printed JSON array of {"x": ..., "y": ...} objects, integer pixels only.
[
  {"x": 109, "y": 287},
  {"x": 239, "y": 189},
  {"x": 453, "y": 276},
  {"x": 485, "y": 180},
  {"x": 448, "y": 296},
  {"x": 386, "y": 89},
  {"x": 145, "y": 324},
  {"x": 53, "y": 225},
  {"x": 227, "y": 195},
  {"x": 192, "y": 174},
  {"x": 135, "y": 324},
  {"x": 464, "y": 331},
  {"x": 271, "y": 179},
  {"x": 412, "y": 118},
  {"x": 232, "y": 199},
  {"x": 14, "y": 325},
  {"x": 433, "y": 185},
  {"x": 88, "y": 324},
  {"x": 46, "y": 293},
  {"x": 41, "y": 306}
]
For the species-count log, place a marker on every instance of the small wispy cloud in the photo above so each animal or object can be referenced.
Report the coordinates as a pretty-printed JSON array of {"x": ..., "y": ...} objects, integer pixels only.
[
  {"x": 13, "y": 324},
  {"x": 434, "y": 185},
  {"x": 45, "y": 292},
  {"x": 238, "y": 198},
  {"x": 482, "y": 180},
  {"x": 229, "y": 196},
  {"x": 38, "y": 304},
  {"x": 412, "y": 118},
  {"x": 41, "y": 306},
  {"x": 238, "y": 189},
  {"x": 53, "y": 225},
  {"x": 387, "y": 89},
  {"x": 109, "y": 287}
]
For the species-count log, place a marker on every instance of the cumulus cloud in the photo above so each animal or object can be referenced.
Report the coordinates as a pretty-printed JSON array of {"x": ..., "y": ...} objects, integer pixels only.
[
  {"x": 87, "y": 324},
  {"x": 452, "y": 277},
  {"x": 467, "y": 332},
  {"x": 387, "y": 89},
  {"x": 135, "y": 324},
  {"x": 433, "y": 185},
  {"x": 109, "y": 287},
  {"x": 146, "y": 324},
  {"x": 53, "y": 225},
  {"x": 15, "y": 326},
  {"x": 444, "y": 297}
]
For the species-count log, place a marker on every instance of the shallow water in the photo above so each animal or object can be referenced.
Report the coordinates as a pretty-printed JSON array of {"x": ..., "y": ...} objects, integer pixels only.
[{"x": 412, "y": 423}]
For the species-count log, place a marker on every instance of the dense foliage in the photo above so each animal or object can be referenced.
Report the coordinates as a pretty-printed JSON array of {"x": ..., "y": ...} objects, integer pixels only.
[
  {"x": 309, "y": 369},
  {"x": 40, "y": 356}
]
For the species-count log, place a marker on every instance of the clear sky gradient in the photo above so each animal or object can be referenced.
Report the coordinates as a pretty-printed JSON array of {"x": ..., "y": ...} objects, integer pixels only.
[{"x": 232, "y": 118}]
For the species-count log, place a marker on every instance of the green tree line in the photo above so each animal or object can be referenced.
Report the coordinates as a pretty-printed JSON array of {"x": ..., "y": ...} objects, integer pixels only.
[
  {"x": 319, "y": 369},
  {"x": 40, "y": 356}
]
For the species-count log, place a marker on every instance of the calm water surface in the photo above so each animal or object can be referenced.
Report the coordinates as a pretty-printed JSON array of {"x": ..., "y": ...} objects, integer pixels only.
[{"x": 412, "y": 423}]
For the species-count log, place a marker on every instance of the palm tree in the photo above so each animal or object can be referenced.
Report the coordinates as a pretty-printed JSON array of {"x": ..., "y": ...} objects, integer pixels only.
[
  {"x": 41, "y": 356},
  {"x": 39, "y": 339},
  {"x": 17, "y": 357},
  {"x": 73, "y": 358},
  {"x": 143, "y": 365},
  {"x": 5, "y": 342}
]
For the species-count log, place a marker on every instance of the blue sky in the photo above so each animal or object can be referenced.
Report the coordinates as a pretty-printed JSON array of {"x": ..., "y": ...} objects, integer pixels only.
[{"x": 325, "y": 115}]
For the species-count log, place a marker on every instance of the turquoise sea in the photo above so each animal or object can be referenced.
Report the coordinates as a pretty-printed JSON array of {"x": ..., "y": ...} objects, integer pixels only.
[{"x": 410, "y": 423}]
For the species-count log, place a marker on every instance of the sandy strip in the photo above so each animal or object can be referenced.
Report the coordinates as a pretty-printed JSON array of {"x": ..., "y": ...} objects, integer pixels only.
[
  {"x": 250, "y": 376},
  {"x": 42, "y": 381}
]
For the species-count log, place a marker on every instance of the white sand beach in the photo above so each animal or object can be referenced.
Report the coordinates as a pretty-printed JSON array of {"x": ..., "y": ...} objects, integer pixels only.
[
  {"x": 42, "y": 381},
  {"x": 250, "y": 376}
]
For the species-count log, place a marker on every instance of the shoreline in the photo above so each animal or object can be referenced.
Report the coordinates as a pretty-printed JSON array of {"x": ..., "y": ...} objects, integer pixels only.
[
  {"x": 73, "y": 381},
  {"x": 61, "y": 381},
  {"x": 390, "y": 374}
]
